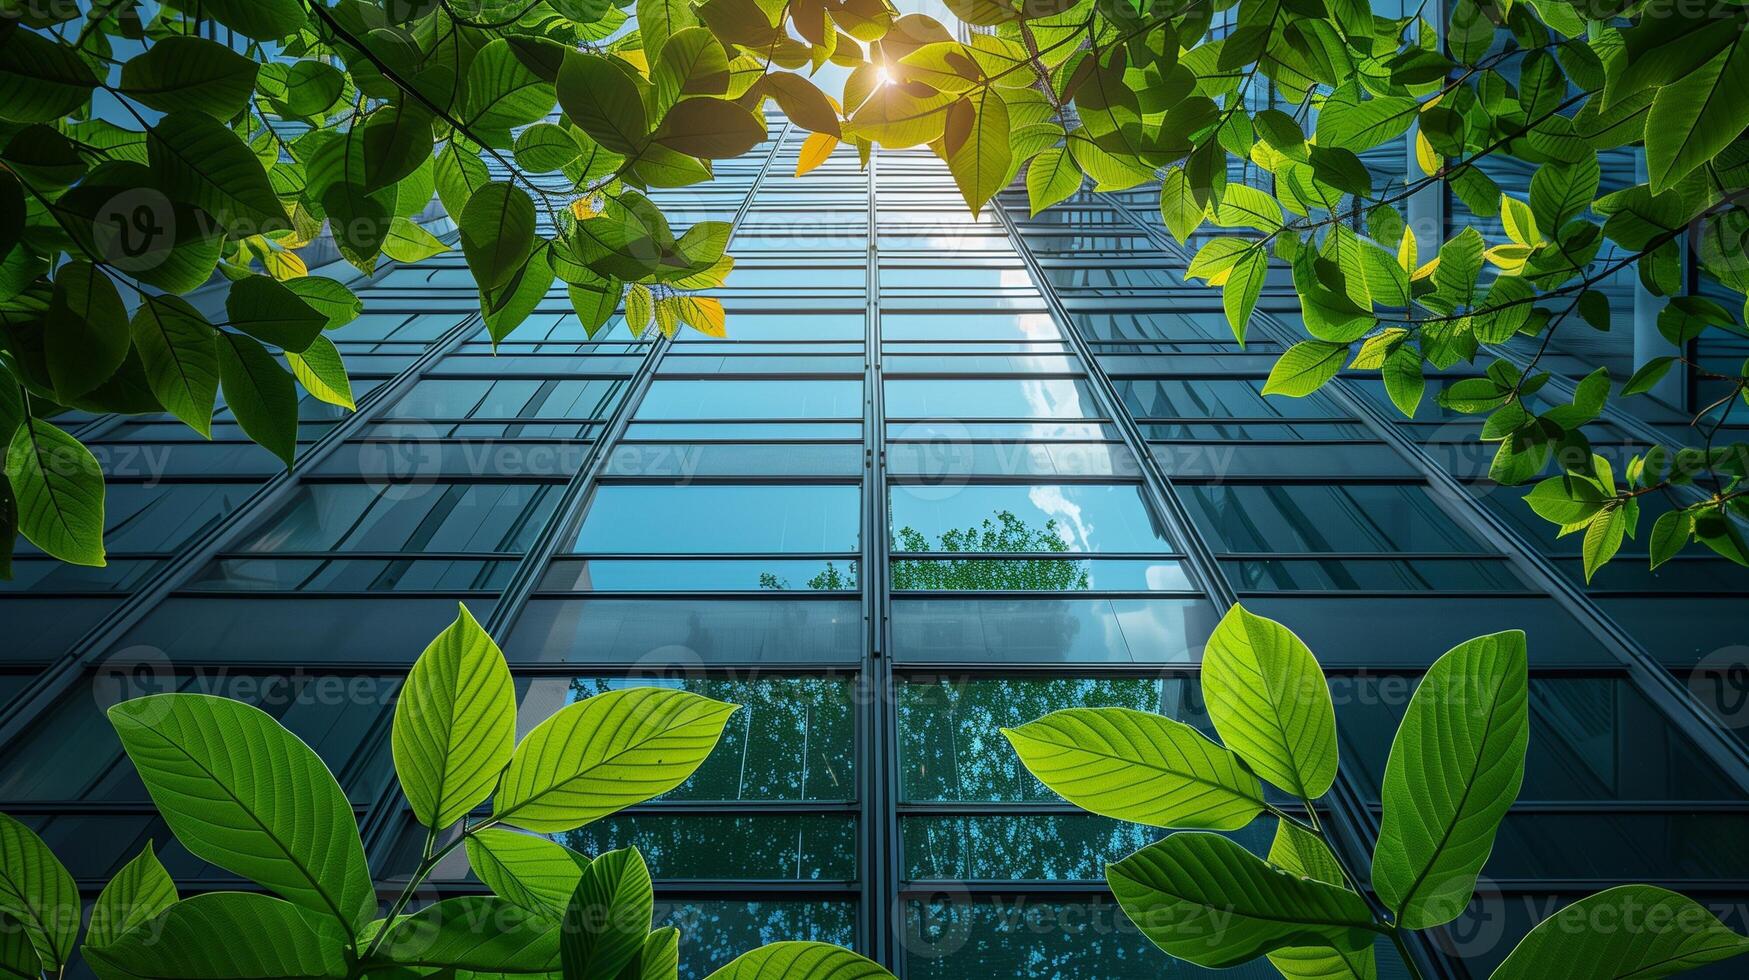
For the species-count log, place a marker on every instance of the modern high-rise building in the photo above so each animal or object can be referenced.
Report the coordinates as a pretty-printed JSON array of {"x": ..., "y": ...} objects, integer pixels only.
[{"x": 945, "y": 475}]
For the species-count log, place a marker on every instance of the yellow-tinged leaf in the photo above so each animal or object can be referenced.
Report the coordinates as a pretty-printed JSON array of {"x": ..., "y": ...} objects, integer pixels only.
[
  {"x": 1519, "y": 222},
  {"x": 284, "y": 265},
  {"x": 1510, "y": 258},
  {"x": 636, "y": 58},
  {"x": 590, "y": 206},
  {"x": 1407, "y": 251},
  {"x": 1426, "y": 270},
  {"x": 815, "y": 149},
  {"x": 1220, "y": 278},
  {"x": 639, "y": 307},
  {"x": 1425, "y": 155}
]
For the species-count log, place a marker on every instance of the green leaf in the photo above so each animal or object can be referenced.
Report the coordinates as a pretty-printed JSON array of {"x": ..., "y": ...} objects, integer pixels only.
[
  {"x": 595, "y": 302},
  {"x": 608, "y": 916},
  {"x": 1244, "y": 284},
  {"x": 86, "y": 337},
  {"x": 18, "y": 959},
  {"x": 459, "y": 175},
  {"x": 1697, "y": 115},
  {"x": 1205, "y": 899},
  {"x": 37, "y": 891},
  {"x": 606, "y": 753},
  {"x": 1299, "y": 852},
  {"x": 1647, "y": 376},
  {"x": 1270, "y": 704},
  {"x": 503, "y": 92},
  {"x": 268, "y": 310},
  {"x": 396, "y": 142},
  {"x": 660, "y": 958},
  {"x": 1132, "y": 765},
  {"x": 532, "y": 872},
  {"x": 322, "y": 372},
  {"x": 407, "y": 242},
  {"x": 263, "y": 20},
  {"x": 603, "y": 101},
  {"x": 139, "y": 891},
  {"x": 179, "y": 350},
  {"x": 800, "y": 961},
  {"x": 1560, "y": 193},
  {"x": 1670, "y": 534},
  {"x": 1051, "y": 178},
  {"x": 1305, "y": 367},
  {"x": 508, "y": 305},
  {"x": 1640, "y": 932},
  {"x": 1455, "y": 768},
  {"x": 41, "y": 79},
  {"x": 975, "y": 145},
  {"x": 455, "y": 723},
  {"x": 327, "y": 296},
  {"x": 497, "y": 233},
  {"x": 203, "y": 938},
  {"x": 1565, "y": 500},
  {"x": 190, "y": 74},
  {"x": 1178, "y": 206},
  {"x": 311, "y": 88},
  {"x": 199, "y": 160},
  {"x": 709, "y": 128},
  {"x": 59, "y": 489},
  {"x": 241, "y": 792},
  {"x": 1603, "y": 534},
  {"x": 660, "y": 20},
  {"x": 475, "y": 933},
  {"x": 692, "y": 62}
]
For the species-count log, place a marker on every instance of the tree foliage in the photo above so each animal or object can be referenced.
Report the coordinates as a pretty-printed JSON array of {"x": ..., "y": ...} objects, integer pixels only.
[
  {"x": 242, "y": 792},
  {"x": 142, "y": 156},
  {"x": 1455, "y": 767}
]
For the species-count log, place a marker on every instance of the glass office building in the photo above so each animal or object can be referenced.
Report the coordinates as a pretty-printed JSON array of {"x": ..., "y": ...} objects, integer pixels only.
[{"x": 945, "y": 475}]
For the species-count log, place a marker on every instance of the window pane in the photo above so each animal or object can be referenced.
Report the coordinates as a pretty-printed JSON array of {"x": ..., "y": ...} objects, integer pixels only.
[
  {"x": 1353, "y": 517},
  {"x": 791, "y": 740},
  {"x": 709, "y": 399},
  {"x": 991, "y": 398},
  {"x": 706, "y": 518},
  {"x": 1007, "y": 518},
  {"x": 951, "y": 747},
  {"x": 417, "y": 517}
]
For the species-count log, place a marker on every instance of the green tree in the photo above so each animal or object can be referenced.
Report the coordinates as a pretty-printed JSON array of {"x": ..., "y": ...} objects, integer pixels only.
[
  {"x": 242, "y": 793},
  {"x": 1455, "y": 768}
]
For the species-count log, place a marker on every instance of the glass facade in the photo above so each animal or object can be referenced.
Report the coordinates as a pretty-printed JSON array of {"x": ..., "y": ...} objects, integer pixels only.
[{"x": 946, "y": 475}]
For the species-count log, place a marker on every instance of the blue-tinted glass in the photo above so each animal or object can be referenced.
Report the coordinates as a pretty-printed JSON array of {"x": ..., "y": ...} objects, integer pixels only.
[
  {"x": 1591, "y": 738},
  {"x": 1040, "y": 517},
  {"x": 951, "y": 747},
  {"x": 991, "y": 398},
  {"x": 709, "y": 399},
  {"x": 706, "y": 518},
  {"x": 414, "y": 517},
  {"x": 791, "y": 741},
  {"x": 1334, "y": 517}
]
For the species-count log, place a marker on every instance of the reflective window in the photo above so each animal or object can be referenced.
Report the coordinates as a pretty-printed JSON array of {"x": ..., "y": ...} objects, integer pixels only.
[
  {"x": 1328, "y": 517},
  {"x": 991, "y": 398},
  {"x": 1014, "y": 517},
  {"x": 434, "y": 517},
  {"x": 720, "y": 519},
  {"x": 708, "y": 399},
  {"x": 951, "y": 747},
  {"x": 791, "y": 740}
]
